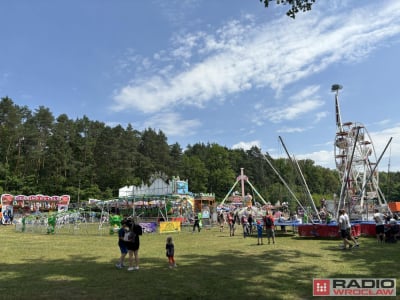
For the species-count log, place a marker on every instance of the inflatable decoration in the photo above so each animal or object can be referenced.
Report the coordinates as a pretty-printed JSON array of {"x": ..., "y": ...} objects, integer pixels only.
[
  {"x": 51, "y": 221},
  {"x": 115, "y": 223}
]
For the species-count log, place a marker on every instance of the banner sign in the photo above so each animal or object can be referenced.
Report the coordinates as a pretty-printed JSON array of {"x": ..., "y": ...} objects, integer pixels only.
[
  {"x": 149, "y": 227},
  {"x": 166, "y": 227},
  {"x": 63, "y": 203},
  {"x": 36, "y": 201},
  {"x": 7, "y": 212}
]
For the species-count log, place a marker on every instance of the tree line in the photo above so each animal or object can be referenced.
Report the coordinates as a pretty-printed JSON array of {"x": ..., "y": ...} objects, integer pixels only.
[{"x": 43, "y": 154}]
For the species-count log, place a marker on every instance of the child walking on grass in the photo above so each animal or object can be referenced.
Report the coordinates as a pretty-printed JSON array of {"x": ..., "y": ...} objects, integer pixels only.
[{"x": 170, "y": 248}]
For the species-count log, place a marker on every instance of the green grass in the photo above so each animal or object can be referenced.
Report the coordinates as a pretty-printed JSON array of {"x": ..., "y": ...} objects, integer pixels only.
[{"x": 211, "y": 265}]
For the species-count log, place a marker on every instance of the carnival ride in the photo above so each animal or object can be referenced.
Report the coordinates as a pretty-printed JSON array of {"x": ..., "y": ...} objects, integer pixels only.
[
  {"x": 74, "y": 221},
  {"x": 306, "y": 206},
  {"x": 357, "y": 165},
  {"x": 244, "y": 204},
  {"x": 164, "y": 199}
]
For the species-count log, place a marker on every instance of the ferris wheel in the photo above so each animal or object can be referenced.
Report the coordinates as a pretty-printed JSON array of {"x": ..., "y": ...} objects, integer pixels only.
[{"x": 356, "y": 163}]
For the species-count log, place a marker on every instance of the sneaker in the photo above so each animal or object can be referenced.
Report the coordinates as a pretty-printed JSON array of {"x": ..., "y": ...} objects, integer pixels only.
[
  {"x": 130, "y": 269},
  {"x": 357, "y": 245},
  {"x": 136, "y": 268},
  {"x": 175, "y": 265},
  {"x": 118, "y": 266}
]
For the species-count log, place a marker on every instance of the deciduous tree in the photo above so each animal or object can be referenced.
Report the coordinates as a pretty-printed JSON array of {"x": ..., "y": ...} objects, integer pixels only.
[{"x": 296, "y": 6}]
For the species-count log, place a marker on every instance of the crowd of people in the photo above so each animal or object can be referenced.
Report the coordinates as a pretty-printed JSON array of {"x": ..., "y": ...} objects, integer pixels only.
[
  {"x": 386, "y": 227},
  {"x": 387, "y": 230},
  {"x": 129, "y": 232},
  {"x": 251, "y": 224}
]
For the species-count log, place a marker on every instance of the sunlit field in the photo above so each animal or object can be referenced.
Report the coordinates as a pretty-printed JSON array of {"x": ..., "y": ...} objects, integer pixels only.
[{"x": 80, "y": 264}]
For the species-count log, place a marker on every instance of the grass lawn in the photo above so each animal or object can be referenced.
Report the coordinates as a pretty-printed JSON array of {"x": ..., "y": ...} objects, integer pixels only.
[{"x": 211, "y": 265}]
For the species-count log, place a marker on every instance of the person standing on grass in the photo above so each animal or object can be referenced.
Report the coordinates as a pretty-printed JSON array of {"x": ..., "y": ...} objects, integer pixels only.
[
  {"x": 250, "y": 221},
  {"x": 221, "y": 221},
  {"x": 351, "y": 237},
  {"x": 196, "y": 222},
  {"x": 170, "y": 249},
  {"x": 231, "y": 222},
  {"x": 270, "y": 227},
  {"x": 245, "y": 225},
  {"x": 344, "y": 229},
  {"x": 379, "y": 219},
  {"x": 259, "y": 227},
  {"x": 121, "y": 243},
  {"x": 133, "y": 244}
]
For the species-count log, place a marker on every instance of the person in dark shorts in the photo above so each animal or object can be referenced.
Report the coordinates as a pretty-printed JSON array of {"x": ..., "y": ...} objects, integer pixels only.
[
  {"x": 132, "y": 243},
  {"x": 196, "y": 222},
  {"x": 121, "y": 244},
  {"x": 379, "y": 219},
  {"x": 344, "y": 226}
]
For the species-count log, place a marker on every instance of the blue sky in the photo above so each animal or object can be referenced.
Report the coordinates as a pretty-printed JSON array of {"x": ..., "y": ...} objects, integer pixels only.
[{"x": 226, "y": 72}]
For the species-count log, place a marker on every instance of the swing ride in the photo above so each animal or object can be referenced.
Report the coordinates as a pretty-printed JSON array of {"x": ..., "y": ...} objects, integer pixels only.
[{"x": 244, "y": 202}]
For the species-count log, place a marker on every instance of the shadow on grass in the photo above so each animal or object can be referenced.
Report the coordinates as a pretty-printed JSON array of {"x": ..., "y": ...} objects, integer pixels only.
[{"x": 218, "y": 267}]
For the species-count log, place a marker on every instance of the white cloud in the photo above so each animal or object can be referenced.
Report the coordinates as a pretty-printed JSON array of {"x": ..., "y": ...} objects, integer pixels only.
[
  {"x": 172, "y": 124},
  {"x": 299, "y": 104},
  {"x": 392, "y": 154},
  {"x": 247, "y": 145},
  {"x": 177, "y": 10},
  {"x": 320, "y": 115},
  {"x": 306, "y": 93},
  {"x": 239, "y": 56},
  {"x": 291, "y": 129},
  {"x": 277, "y": 115},
  {"x": 321, "y": 158},
  {"x": 383, "y": 122}
]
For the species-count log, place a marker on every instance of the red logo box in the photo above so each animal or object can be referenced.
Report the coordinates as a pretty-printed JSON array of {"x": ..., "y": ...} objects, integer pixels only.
[{"x": 321, "y": 287}]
